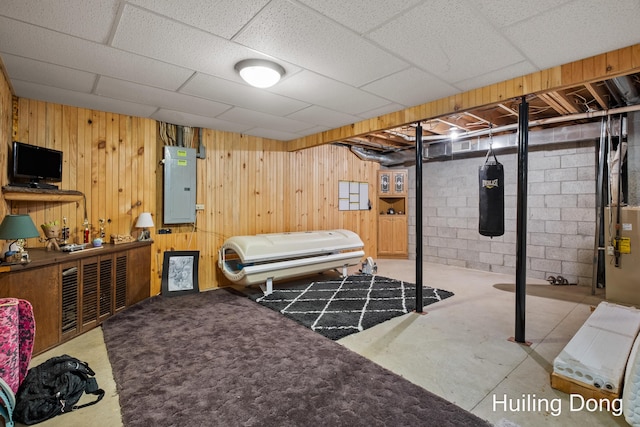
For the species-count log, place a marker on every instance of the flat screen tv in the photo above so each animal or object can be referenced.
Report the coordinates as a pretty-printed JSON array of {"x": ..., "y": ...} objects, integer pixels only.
[{"x": 32, "y": 165}]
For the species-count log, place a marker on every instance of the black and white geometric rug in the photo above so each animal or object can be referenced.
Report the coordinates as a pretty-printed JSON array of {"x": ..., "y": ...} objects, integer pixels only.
[{"x": 339, "y": 307}]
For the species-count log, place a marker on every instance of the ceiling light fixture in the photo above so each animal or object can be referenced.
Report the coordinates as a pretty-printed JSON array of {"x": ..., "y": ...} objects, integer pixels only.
[{"x": 259, "y": 72}]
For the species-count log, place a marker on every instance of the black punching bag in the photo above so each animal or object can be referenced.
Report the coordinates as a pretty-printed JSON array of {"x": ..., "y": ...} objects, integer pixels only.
[{"x": 491, "y": 180}]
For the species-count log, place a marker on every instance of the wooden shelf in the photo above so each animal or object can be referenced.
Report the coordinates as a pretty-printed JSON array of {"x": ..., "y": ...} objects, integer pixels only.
[{"x": 40, "y": 194}]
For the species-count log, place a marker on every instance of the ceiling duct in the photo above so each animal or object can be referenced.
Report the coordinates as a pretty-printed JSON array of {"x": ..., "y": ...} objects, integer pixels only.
[
  {"x": 625, "y": 87},
  {"x": 385, "y": 159},
  {"x": 439, "y": 147},
  {"x": 448, "y": 149}
]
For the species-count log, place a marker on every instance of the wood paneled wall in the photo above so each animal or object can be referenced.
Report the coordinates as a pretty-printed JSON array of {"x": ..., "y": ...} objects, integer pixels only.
[
  {"x": 106, "y": 156},
  {"x": 248, "y": 185},
  {"x": 251, "y": 185},
  {"x": 6, "y": 115}
]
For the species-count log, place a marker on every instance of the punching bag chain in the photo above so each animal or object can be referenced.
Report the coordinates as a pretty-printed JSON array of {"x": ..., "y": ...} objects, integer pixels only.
[{"x": 490, "y": 151}]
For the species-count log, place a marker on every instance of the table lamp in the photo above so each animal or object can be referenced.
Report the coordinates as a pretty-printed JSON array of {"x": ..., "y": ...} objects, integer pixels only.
[
  {"x": 16, "y": 227},
  {"x": 144, "y": 221}
]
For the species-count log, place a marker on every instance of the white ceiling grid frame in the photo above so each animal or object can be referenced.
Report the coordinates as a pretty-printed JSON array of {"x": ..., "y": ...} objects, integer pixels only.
[
  {"x": 82, "y": 100},
  {"x": 120, "y": 89},
  {"x": 495, "y": 76},
  {"x": 298, "y": 35},
  {"x": 205, "y": 14},
  {"x": 195, "y": 120},
  {"x": 329, "y": 93},
  {"x": 323, "y": 116},
  {"x": 58, "y": 76},
  {"x": 535, "y": 44},
  {"x": 241, "y": 115},
  {"x": 71, "y": 52},
  {"x": 410, "y": 87},
  {"x": 435, "y": 46},
  {"x": 147, "y": 34},
  {"x": 505, "y": 13},
  {"x": 89, "y": 20},
  {"x": 241, "y": 95},
  {"x": 361, "y": 15}
]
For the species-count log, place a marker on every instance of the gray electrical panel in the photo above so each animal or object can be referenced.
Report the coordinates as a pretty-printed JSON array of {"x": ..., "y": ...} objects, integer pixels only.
[{"x": 179, "y": 185}]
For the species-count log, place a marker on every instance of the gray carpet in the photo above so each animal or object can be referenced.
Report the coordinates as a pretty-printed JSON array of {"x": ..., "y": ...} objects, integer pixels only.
[
  {"x": 340, "y": 306},
  {"x": 218, "y": 359}
]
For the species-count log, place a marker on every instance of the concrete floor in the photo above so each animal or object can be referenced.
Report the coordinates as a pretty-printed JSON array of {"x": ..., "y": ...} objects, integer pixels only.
[{"x": 459, "y": 349}]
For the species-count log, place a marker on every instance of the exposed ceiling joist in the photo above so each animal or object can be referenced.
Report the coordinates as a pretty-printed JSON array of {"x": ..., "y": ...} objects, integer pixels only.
[{"x": 546, "y": 109}]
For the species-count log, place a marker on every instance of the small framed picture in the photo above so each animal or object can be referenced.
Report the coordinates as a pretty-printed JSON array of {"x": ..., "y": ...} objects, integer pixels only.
[{"x": 180, "y": 273}]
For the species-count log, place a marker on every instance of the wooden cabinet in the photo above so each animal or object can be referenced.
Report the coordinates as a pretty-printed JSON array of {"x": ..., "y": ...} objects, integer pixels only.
[
  {"x": 40, "y": 287},
  {"x": 392, "y": 182},
  {"x": 392, "y": 213},
  {"x": 72, "y": 293}
]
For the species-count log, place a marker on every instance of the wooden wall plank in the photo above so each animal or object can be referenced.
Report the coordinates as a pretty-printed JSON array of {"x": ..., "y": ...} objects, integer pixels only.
[{"x": 7, "y": 105}]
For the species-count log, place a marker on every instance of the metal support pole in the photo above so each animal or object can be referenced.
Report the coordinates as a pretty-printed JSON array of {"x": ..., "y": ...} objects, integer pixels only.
[
  {"x": 521, "y": 220},
  {"x": 419, "y": 305},
  {"x": 598, "y": 250}
]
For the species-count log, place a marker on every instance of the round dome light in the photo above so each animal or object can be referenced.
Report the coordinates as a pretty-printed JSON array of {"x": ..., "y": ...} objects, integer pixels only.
[{"x": 260, "y": 72}]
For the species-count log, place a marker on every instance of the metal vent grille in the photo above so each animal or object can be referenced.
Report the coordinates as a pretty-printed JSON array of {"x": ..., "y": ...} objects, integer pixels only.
[
  {"x": 89, "y": 292},
  {"x": 121, "y": 282},
  {"x": 69, "y": 300},
  {"x": 106, "y": 266}
]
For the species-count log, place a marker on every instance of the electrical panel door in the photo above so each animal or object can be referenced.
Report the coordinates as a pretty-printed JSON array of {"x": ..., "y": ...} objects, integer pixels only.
[{"x": 179, "y": 185}]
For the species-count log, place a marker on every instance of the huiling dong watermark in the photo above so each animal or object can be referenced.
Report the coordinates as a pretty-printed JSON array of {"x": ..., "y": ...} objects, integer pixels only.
[{"x": 531, "y": 403}]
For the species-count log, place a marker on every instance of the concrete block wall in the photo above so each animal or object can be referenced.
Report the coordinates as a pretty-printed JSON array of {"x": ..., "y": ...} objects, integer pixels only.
[{"x": 560, "y": 214}]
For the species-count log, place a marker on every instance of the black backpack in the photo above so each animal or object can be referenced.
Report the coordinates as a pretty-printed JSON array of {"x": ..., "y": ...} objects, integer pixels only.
[{"x": 54, "y": 388}]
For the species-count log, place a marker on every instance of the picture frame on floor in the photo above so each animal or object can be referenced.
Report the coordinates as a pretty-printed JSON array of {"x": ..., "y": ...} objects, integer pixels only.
[{"x": 180, "y": 273}]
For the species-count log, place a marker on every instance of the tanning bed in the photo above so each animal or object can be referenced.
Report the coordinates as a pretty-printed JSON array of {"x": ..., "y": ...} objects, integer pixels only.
[{"x": 263, "y": 258}]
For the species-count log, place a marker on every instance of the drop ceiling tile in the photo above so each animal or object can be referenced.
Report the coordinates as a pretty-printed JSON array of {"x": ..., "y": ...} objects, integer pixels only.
[
  {"x": 186, "y": 119},
  {"x": 380, "y": 111},
  {"x": 295, "y": 34},
  {"x": 82, "y": 100},
  {"x": 410, "y": 87},
  {"x": 272, "y": 134},
  {"x": 504, "y": 13},
  {"x": 81, "y": 18},
  {"x": 573, "y": 33},
  {"x": 154, "y": 36},
  {"x": 520, "y": 69},
  {"x": 449, "y": 41},
  {"x": 49, "y": 46},
  {"x": 134, "y": 92},
  {"x": 360, "y": 15},
  {"x": 207, "y": 14},
  {"x": 311, "y": 131},
  {"x": 323, "y": 116},
  {"x": 29, "y": 70},
  {"x": 268, "y": 121},
  {"x": 316, "y": 89},
  {"x": 241, "y": 95}
]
